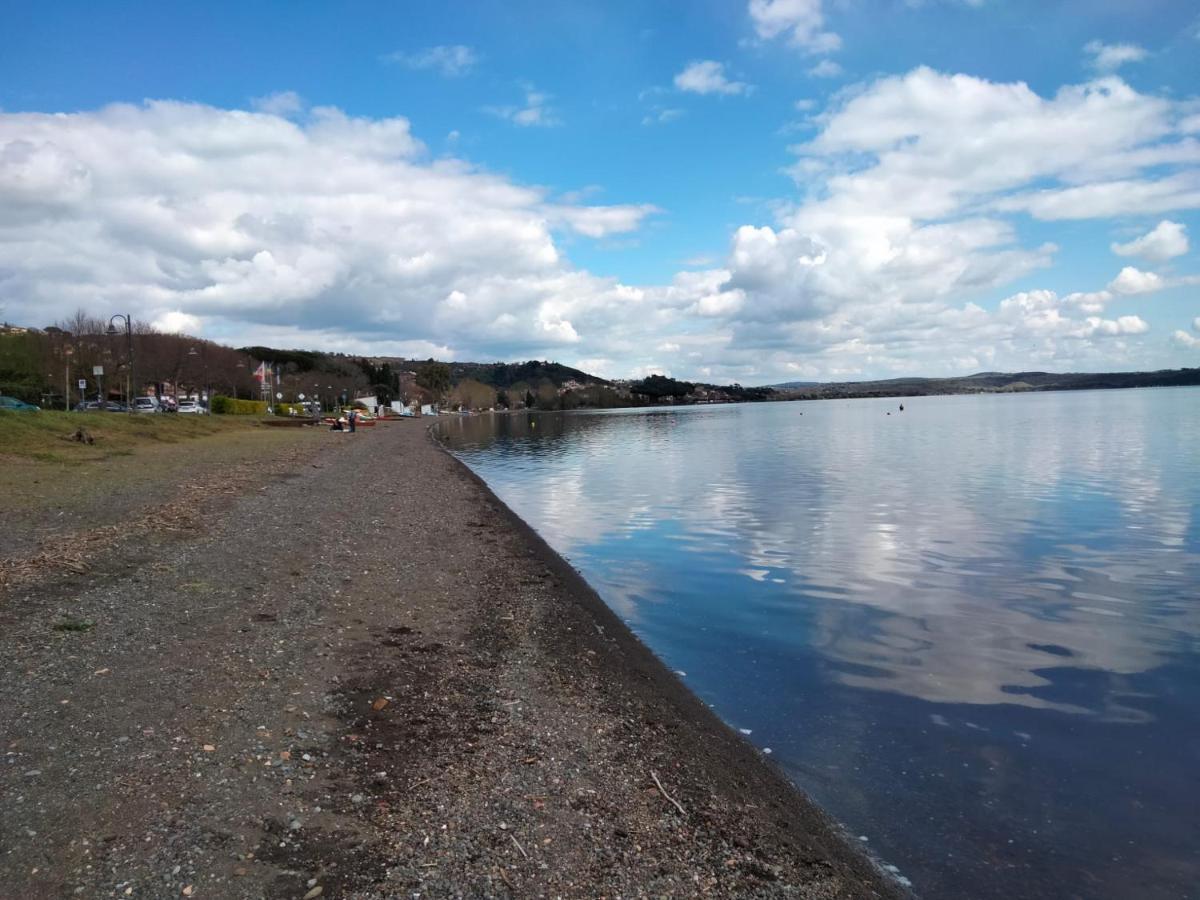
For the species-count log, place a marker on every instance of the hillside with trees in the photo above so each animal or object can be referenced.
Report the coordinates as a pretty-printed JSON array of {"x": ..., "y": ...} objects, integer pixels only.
[
  {"x": 988, "y": 382},
  {"x": 45, "y": 366}
]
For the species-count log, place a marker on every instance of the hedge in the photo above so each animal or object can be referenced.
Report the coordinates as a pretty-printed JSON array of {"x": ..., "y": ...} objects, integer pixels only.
[{"x": 231, "y": 406}]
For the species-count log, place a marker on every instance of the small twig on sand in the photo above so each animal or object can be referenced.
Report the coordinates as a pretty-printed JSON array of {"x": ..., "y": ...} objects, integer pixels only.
[
  {"x": 519, "y": 847},
  {"x": 504, "y": 878},
  {"x": 663, "y": 791},
  {"x": 416, "y": 784}
]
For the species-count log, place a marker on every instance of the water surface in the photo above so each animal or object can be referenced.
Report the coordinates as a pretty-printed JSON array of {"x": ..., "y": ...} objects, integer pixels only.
[{"x": 970, "y": 630}]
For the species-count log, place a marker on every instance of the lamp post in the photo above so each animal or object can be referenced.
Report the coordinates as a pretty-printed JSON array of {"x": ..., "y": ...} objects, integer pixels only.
[
  {"x": 112, "y": 330},
  {"x": 204, "y": 362},
  {"x": 67, "y": 351}
]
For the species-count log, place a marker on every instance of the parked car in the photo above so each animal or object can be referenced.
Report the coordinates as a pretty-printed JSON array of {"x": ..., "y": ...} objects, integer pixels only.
[
  {"x": 146, "y": 405},
  {"x": 87, "y": 406},
  {"x": 192, "y": 407},
  {"x": 15, "y": 404},
  {"x": 115, "y": 406}
]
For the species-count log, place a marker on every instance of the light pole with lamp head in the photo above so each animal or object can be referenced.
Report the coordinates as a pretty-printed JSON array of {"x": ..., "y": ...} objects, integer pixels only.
[
  {"x": 67, "y": 351},
  {"x": 207, "y": 392},
  {"x": 112, "y": 330}
]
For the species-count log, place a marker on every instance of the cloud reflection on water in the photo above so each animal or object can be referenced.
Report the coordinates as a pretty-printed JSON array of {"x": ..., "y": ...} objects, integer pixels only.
[{"x": 992, "y": 539}]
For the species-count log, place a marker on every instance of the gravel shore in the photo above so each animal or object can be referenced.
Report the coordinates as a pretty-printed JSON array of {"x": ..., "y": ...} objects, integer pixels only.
[{"x": 354, "y": 673}]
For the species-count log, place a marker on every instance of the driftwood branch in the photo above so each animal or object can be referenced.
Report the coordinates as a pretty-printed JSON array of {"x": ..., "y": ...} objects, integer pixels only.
[
  {"x": 519, "y": 847},
  {"x": 663, "y": 791}
]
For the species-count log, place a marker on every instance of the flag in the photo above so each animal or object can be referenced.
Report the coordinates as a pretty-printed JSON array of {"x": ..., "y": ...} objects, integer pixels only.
[{"x": 260, "y": 374}]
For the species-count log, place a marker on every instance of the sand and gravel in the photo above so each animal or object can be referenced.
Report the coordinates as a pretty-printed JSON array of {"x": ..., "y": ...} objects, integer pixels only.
[{"x": 345, "y": 669}]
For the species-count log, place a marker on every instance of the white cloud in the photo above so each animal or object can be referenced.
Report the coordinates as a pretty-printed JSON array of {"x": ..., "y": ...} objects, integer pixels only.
[
  {"x": 281, "y": 103},
  {"x": 344, "y": 233},
  {"x": 1107, "y": 199},
  {"x": 662, "y": 115},
  {"x": 337, "y": 232},
  {"x": 1134, "y": 281},
  {"x": 536, "y": 111},
  {"x": 451, "y": 60},
  {"x": 909, "y": 186},
  {"x": 1110, "y": 57},
  {"x": 177, "y": 322},
  {"x": 601, "y": 221},
  {"x": 1196, "y": 324},
  {"x": 1166, "y": 241},
  {"x": 708, "y": 77},
  {"x": 826, "y": 68},
  {"x": 802, "y": 22},
  {"x": 1185, "y": 340}
]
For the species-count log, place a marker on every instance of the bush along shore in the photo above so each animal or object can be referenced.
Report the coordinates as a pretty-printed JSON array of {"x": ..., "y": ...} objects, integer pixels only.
[{"x": 351, "y": 672}]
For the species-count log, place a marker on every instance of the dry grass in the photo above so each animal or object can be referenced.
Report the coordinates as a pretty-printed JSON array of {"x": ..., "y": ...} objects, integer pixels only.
[
  {"x": 151, "y": 487},
  {"x": 42, "y": 436}
]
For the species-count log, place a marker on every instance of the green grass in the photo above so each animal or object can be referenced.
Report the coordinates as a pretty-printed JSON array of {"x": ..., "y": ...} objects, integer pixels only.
[
  {"x": 72, "y": 624},
  {"x": 39, "y": 436}
]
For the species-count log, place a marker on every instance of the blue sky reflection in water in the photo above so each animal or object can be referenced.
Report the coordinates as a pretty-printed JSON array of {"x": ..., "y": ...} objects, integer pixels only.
[{"x": 971, "y": 630}]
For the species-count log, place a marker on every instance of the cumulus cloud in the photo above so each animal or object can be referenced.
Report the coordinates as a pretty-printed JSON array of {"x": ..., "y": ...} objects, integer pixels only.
[
  {"x": 1134, "y": 281},
  {"x": 1166, "y": 241},
  {"x": 337, "y": 231},
  {"x": 341, "y": 232},
  {"x": 1184, "y": 339},
  {"x": 177, "y": 322},
  {"x": 800, "y": 22},
  {"x": 909, "y": 186},
  {"x": 451, "y": 60},
  {"x": 707, "y": 76},
  {"x": 1110, "y": 57}
]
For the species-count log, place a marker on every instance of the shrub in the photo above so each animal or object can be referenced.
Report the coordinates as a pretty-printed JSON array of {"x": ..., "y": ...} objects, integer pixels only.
[{"x": 232, "y": 407}]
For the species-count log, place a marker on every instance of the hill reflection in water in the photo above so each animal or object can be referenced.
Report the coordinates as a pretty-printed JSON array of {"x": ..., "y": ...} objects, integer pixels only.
[{"x": 969, "y": 629}]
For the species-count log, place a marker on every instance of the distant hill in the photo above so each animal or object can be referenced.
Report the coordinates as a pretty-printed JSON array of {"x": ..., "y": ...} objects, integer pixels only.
[
  {"x": 989, "y": 382},
  {"x": 505, "y": 375}
]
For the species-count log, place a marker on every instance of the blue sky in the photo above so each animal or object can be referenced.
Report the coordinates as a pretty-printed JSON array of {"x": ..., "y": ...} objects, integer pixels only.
[{"x": 755, "y": 191}]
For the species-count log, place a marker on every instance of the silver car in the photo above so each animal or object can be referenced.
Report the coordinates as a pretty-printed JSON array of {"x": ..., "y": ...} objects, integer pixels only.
[
  {"x": 190, "y": 406},
  {"x": 146, "y": 405}
]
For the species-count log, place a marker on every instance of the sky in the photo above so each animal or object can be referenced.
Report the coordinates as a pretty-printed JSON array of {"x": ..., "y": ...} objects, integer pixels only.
[{"x": 758, "y": 191}]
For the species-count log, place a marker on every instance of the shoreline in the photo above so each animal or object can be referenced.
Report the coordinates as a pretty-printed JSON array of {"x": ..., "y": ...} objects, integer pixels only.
[
  {"x": 734, "y": 760},
  {"x": 360, "y": 671}
]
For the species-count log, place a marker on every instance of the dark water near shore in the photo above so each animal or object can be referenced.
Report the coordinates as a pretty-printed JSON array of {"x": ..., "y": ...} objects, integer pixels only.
[{"x": 970, "y": 630}]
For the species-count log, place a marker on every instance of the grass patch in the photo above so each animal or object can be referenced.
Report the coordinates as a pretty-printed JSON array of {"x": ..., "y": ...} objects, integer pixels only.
[
  {"x": 39, "y": 435},
  {"x": 71, "y": 625}
]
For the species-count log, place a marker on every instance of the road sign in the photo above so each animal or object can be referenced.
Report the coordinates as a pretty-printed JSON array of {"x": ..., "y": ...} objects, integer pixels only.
[
  {"x": 278, "y": 396},
  {"x": 301, "y": 396},
  {"x": 82, "y": 384},
  {"x": 97, "y": 370}
]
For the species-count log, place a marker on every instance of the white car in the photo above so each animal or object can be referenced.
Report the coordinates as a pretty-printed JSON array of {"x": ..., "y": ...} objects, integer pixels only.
[
  {"x": 190, "y": 406},
  {"x": 146, "y": 405}
]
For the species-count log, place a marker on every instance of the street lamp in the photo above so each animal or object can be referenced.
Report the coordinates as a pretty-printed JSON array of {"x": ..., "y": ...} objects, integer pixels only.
[
  {"x": 67, "y": 351},
  {"x": 112, "y": 330},
  {"x": 204, "y": 361}
]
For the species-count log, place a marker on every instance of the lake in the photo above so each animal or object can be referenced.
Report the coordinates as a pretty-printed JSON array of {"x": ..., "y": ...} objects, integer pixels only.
[{"x": 969, "y": 629}]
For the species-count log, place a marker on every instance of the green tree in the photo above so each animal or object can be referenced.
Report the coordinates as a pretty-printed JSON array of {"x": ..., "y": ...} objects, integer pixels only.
[{"x": 434, "y": 377}]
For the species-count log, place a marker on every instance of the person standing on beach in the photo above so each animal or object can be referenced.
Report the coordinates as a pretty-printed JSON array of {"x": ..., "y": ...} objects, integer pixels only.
[{"x": 353, "y": 419}]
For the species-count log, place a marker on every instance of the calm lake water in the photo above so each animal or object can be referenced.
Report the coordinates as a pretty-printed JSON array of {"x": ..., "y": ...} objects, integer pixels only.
[{"x": 970, "y": 630}]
